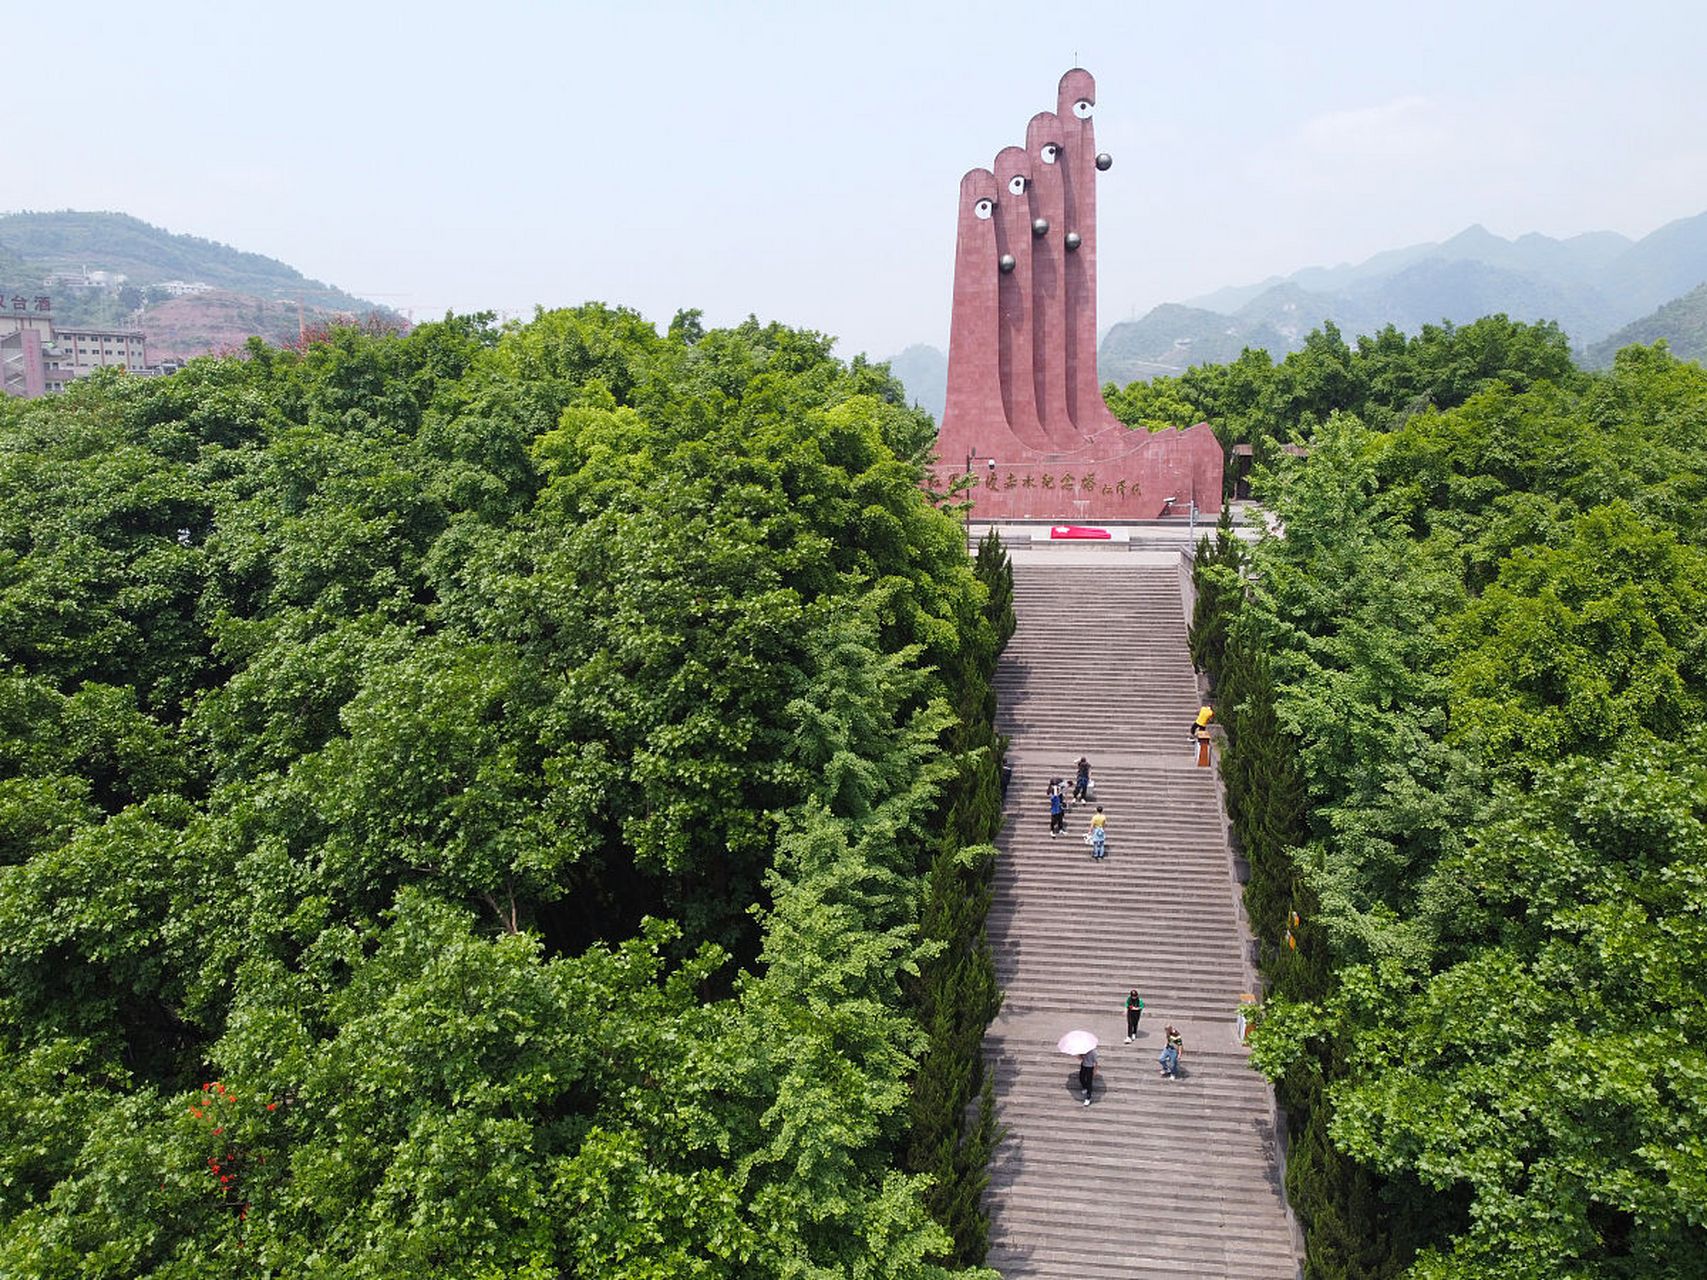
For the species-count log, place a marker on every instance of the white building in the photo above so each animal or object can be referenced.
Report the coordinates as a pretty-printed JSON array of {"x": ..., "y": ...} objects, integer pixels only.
[{"x": 86, "y": 279}]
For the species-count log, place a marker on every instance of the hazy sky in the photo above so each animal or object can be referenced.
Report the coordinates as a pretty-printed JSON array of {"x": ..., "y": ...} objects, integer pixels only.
[{"x": 801, "y": 161}]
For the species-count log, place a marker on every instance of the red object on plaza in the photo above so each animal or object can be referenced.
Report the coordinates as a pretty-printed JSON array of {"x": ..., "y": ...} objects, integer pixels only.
[{"x": 1077, "y": 531}]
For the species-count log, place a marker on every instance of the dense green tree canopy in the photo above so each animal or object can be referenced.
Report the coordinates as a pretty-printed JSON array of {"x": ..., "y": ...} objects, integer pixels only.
[
  {"x": 1471, "y": 678},
  {"x": 1382, "y": 380},
  {"x": 474, "y": 804}
]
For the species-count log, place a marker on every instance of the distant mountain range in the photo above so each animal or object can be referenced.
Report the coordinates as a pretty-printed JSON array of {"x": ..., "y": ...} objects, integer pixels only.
[
  {"x": 1591, "y": 284},
  {"x": 1598, "y": 286},
  {"x": 923, "y": 370},
  {"x": 247, "y": 293}
]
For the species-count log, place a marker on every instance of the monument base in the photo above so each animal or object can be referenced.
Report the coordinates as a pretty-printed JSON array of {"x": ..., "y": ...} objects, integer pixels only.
[{"x": 1135, "y": 476}]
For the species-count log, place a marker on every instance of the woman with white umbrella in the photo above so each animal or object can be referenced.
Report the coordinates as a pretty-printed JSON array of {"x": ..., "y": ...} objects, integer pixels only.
[{"x": 1084, "y": 1044}]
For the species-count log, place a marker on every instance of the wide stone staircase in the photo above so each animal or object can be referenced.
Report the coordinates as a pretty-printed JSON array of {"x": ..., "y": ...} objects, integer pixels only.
[{"x": 1157, "y": 1177}]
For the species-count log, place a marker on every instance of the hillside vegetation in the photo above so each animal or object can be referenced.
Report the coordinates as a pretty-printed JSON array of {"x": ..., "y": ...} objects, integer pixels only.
[
  {"x": 1466, "y": 705},
  {"x": 483, "y": 804},
  {"x": 39, "y": 243},
  {"x": 253, "y": 296},
  {"x": 1681, "y": 324}
]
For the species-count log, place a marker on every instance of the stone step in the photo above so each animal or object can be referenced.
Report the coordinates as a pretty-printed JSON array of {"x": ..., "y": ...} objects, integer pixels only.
[
  {"x": 1143, "y": 1259},
  {"x": 1173, "y": 1205},
  {"x": 1151, "y": 1104}
]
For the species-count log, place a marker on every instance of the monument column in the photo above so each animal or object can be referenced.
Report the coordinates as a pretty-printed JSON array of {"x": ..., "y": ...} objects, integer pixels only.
[
  {"x": 1048, "y": 287},
  {"x": 1075, "y": 105},
  {"x": 1014, "y": 236},
  {"x": 974, "y": 420}
]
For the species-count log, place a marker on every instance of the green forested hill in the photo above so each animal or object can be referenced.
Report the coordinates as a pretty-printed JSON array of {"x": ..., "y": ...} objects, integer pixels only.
[
  {"x": 1465, "y": 698},
  {"x": 1681, "y": 323},
  {"x": 35, "y": 244},
  {"x": 482, "y": 804}
]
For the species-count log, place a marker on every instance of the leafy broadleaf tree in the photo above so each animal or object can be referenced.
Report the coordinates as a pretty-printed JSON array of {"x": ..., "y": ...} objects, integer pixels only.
[{"x": 491, "y": 802}]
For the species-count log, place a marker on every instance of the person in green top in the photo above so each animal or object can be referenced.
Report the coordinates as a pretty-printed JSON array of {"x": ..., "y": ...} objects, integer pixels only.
[{"x": 1134, "y": 1011}]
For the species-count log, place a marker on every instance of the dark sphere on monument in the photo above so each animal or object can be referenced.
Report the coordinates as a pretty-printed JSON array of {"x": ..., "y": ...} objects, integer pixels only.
[
  {"x": 1105, "y": 162},
  {"x": 1073, "y": 241},
  {"x": 1040, "y": 227},
  {"x": 1007, "y": 263}
]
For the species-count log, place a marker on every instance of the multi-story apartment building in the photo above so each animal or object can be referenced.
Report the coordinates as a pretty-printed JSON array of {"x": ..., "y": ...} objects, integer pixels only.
[
  {"x": 82, "y": 351},
  {"x": 36, "y": 357}
]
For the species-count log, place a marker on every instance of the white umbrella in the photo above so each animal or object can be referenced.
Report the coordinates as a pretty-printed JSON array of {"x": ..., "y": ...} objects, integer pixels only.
[{"x": 1077, "y": 1042}]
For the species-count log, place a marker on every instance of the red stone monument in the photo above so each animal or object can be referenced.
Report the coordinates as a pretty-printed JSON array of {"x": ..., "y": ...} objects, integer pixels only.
[{"x": 1025, "y": 415}]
